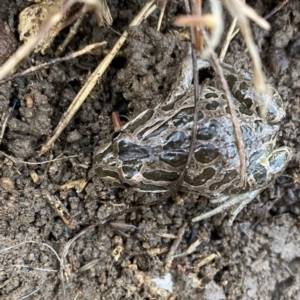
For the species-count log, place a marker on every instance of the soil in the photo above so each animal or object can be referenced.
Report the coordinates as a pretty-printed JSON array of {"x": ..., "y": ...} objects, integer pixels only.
[{"x": 256, "y": 258}]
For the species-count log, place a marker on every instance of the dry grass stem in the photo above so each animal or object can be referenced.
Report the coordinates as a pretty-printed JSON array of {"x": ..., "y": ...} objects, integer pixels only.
[
  {"x": 53, "y": 62},
  {"x": 161, "y": 15},
  {"x": 239, "y": 199},
  {"x": 170, "y": 255},
  {"x": 61, "y": 210},
  {"x": 205, "y": 261},
  {"x": 207, "y": 20},
  {"x": 215, "y": 36},
  {"x": 17, "y": 160},
  {"x": 191, "y": 249},
  {"x": 28, "y": 47},
  {"x": 229, "y": 36},
  {"x": 103, "y": 15},
  {"x": 237, "y": 130},
  {"x": 32, "y": 242},
  {"x": 4, "y": 126},
  {"x": 213, "y": 21},
  {"x": 209, "y": 41},
  {"x": 241, "y": 11},
  {"x": 276, "y": 9},
  {"x": 250, "y": 13},
  {"x": 93, "y": 79}
]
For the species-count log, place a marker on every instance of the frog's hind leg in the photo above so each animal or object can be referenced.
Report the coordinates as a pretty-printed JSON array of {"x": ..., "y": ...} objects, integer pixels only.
[
  {"x": 264, "y": 171},
  {"x": 241, "y": 199}
]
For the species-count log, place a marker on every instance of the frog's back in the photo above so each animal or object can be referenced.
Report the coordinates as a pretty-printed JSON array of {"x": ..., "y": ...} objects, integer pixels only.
[{"x": 152, "y": 150}]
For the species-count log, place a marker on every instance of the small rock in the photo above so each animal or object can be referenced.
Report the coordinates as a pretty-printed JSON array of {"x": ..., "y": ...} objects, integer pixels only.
[
  {"x": 21, "y": 148},
  {"x": 73, "y": 137}
]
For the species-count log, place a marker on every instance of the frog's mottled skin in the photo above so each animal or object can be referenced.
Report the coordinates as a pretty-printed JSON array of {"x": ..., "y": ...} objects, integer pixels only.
[{"x": 151, "y": 150}]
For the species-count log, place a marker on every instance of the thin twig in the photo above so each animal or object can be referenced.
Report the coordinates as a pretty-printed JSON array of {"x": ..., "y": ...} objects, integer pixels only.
[
  {"x": 229, "y": 36},
  {"x": 32, "y": 242},
  {"x": 61, "y": 48},
  {"x": 17, "y": 160},
  {"x": 241, "y": 11},
  {"x": 28, "y": 295},
  {"x": 161, "y": 15},
  {"x": 175, "y": 244},
  {"x": 53, "y": 62},
  {"x": 235, "y": 122},
  {"x": 27, "y": 48},
  {"x": 4, "y": 126},
  {"x": 276, "y": 9},
  {"x": 180, "y": 180}
]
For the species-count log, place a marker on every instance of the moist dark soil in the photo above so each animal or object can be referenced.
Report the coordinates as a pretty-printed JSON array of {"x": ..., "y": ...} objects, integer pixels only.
[{"x": 256, "y": 258}]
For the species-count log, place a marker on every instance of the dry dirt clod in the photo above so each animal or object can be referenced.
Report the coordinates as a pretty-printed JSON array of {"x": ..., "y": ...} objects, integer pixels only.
[
  {"x": 32, "y": 18},
  {"x": 8, "y": 42}
]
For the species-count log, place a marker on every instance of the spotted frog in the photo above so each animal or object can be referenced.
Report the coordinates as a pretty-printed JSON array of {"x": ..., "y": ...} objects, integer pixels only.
[{"x": 150, "y": 152}]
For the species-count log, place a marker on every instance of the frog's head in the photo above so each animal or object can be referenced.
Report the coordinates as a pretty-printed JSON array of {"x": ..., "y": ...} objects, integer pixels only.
[{"x": 121, "y": 162}]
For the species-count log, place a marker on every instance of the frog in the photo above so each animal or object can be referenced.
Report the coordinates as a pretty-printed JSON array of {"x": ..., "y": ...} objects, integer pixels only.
[{"x": 149, "y": 153}]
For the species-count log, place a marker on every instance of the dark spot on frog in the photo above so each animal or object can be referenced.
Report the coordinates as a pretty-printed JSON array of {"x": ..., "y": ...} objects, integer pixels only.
[
  {"x": 240, "y": 93},
  {"x": 237, "y": 190},
  {"x": 174, "y": 141},
  {"x": 231, "y": 80},
  {"x": 186, "y": 116},
  {"x": 126, "y": 185},
  {"x": 131, "y": 152},
  {"x": 245, "y": 111},
  {"x": 208, "y": 131},
  {"x": 212, "y": 105},
  {"x": 201, "y": 178},
  {"x": 159, "y": 175},
  {"x": 129, "y": 170},
  {"x": 211, "y": 95},
  {"x": 174, "y": 158},
  {"x": 206, "y": 153},
  {"x": 228, "y": 177},
  {"x": 260, "y": 173},
  {"x": 168, "y": 107}
]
